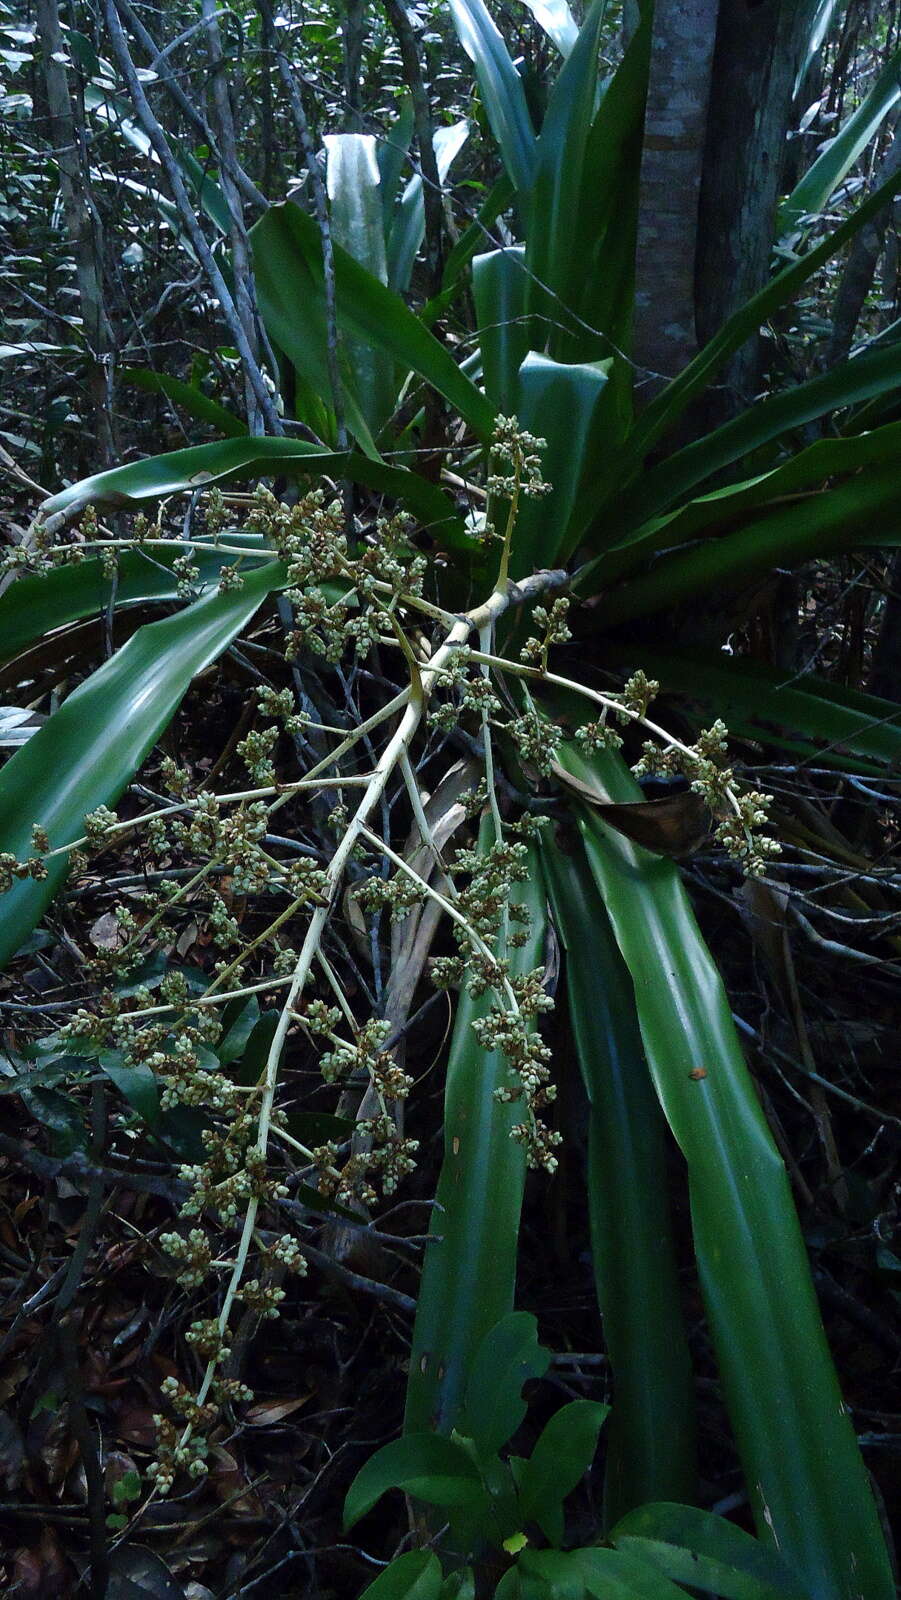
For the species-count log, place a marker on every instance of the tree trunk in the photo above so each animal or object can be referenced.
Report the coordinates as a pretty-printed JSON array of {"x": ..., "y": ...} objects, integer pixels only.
[
  {"x": 863, "y": 259},
  {"x": 758, "y": 51},
  {"x": 665, "y": 337}
]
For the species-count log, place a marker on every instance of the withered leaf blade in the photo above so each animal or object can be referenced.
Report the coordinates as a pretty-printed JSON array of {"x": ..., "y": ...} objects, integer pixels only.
[{"x": 676, "y": 825}]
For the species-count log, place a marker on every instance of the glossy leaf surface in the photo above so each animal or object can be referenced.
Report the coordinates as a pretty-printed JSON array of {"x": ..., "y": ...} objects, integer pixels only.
[
  {"x": 650, "y": 1439},
  {"x": 469, "y": 1272},
  {"x": 424, "y": 1465},
  {"x": 86, "y": 753},
  {"x": 805, "y": 1477}
]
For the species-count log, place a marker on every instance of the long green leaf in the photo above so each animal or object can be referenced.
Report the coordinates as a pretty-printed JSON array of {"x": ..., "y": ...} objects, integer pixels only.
[
  {"x": 606, "y": 219},
  {"x": 204, "y": 464},
  {"x": 876, "y": 373},
  {"x": 357, "y": 223},
  {"x": 117, "y": 113},
  {"x": 471, "y": 241},
  {"x": 501, "y": 88},
  {"x": 408, "y": 226},
  {"x": 469, "y": 1272},
  {"x": 86, "y": 753},
  {"x": 826, "y": 14},
  {"x": 192, "y": 400},
  {"x": 499, "y": 286},
  {"x": 737, "y": 505},
  {"x": 823, "y": 723},
  {"x": 564, "y": 404},
  {"x": 806, "y": 1481},
  {"x": 558, "y": 22},
  {"x": 823, "y": 178},
  {"x": 671, "y": 403},
  {"x": 288, "y": 258},
  {"x": 40, "y": 602},
  {"x": 393, "y": 150},
  {"x": 861, "y": 512},
  {"x": 650, "y": 1453},
  {"x": 553, "y": 208}
]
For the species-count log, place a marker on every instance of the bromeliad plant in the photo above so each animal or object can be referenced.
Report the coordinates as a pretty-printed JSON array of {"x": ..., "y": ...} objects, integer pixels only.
[
  {"x": 635, "y": 529},
  {"x": 195, "y": 1050}
]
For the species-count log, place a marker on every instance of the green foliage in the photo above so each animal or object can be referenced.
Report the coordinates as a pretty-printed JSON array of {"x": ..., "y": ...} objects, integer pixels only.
[
  {"x": 501, "y": 1505},
  {"x": 652, "y": 527}
]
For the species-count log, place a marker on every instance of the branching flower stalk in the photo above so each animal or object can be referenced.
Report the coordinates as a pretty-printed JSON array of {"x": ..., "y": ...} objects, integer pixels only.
[
  {"x": 343, "y": 599},
  {"x": 393, "y": 756}
]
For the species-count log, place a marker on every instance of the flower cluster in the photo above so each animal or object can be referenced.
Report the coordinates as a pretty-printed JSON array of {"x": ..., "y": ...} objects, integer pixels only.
[{"x": 520, "y": 453}]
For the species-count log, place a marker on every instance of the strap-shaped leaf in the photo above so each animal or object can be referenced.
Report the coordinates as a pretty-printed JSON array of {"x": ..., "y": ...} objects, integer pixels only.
[
  {"x": 564, "y": 404},
  {"x": 287, "y": 251},
  {"x": 558, "y": 22},
  {"x": 650, "y": 1440},
  {"x": 86, "y": 753},
  {"x": 204, "y": 464},
  {"x": 469, "y": 1271},
  {"x": 391, "y": 153},
  {"x": 408, "y": 226},
  {"x": 555, "y": 268},
  {"x": 859, "y": 513},
  {"x": 40, "y": 602},
  {"x": 823, "y": 178},
  {"x": 876, "y": 373},
  {"x": 501, "y": 88},
  {"x": 823, "y": 723},
  {"x": 665, "y": 410},
  {"x": 499, "y": 287},
  {"x": 357, "y": 222},
  {"x": 805, "y": 1477},
  {"x": 190, "y": 399}
]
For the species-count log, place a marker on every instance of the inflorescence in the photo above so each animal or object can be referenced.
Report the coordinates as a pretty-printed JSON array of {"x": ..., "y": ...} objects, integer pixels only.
[{"x": 222, "y": 861}]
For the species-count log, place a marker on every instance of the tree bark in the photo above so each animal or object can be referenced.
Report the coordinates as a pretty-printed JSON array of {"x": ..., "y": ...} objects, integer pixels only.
[
  {"x": 863, "y": 259},
  {"x": 353, "y": 38},
  {"x": 682, "y": 49},
  {"x": 758, "y": 51}
]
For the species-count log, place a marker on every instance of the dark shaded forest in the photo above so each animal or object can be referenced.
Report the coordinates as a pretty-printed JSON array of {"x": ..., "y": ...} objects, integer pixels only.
[{"x": 450, "y": 748}]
